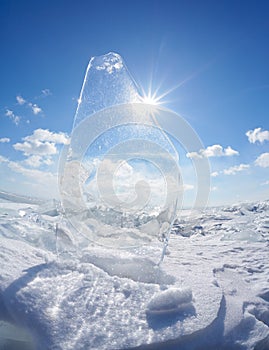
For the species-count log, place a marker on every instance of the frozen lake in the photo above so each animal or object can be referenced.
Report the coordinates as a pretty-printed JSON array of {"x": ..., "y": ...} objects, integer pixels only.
[{"x": 210, "y": 292}]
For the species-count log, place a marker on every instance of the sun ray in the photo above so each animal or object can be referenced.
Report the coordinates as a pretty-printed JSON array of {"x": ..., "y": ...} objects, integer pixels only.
[{"x": 152, "y": 97}]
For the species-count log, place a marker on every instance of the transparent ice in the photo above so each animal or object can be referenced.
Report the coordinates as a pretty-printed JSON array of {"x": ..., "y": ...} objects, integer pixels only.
[{"x": 119, "y": 176}]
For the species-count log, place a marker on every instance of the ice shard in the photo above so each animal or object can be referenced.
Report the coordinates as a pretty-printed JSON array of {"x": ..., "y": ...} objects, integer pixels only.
[{"x": 119, "y": 176}]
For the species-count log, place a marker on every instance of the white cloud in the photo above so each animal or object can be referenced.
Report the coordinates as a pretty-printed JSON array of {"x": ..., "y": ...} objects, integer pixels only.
[
  {"x": 20, "y": 100},
  {"x": 257, "y": 135},
  {"x": 194, "y": 155},
  {"x": 188, "y": 187},
  {"x": 215, "y": 173},
  {"x": 39, "y": 146},
  {"x": 37, "y": 175},
  {"x": 23, "y": 102},
  {"x": 265, "y": 183},
  {"x": 14, "y": 118},
  {"x": 46, "y": 135},
  {"x": 3, "y": 159},
  {"x": 235, "y": 169},
  {"x": 124, "y": 182},
  {"x": 36, "y": 147},
  {"x": 263, "y": 160},
  {"x": 46, "y": 92},
  {"x": 4, "y": 140},
  {"x": 47, "y": 161},
  {"x": 9, "y": 113},
  {"x": 34, "y": 161},
  {"x": 45, "y": 182},
  {"x": 230, "y": 152},
  {"x": 124, "y": 172},
  {"x": 36, "y": 110},
  {"x": 231, "y": 171},
  {"x": 213, "y": 151}
]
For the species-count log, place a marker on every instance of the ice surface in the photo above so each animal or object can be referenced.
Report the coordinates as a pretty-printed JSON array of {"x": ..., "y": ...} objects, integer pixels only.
[{"x": 209, "y": 293}]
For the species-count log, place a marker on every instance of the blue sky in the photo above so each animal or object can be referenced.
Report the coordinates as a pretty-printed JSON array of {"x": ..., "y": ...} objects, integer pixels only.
[{"x": 215, "y": 52}]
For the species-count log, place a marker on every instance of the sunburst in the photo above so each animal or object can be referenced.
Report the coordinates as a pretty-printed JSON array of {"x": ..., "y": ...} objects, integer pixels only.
[{"x": 153, "y": 97}]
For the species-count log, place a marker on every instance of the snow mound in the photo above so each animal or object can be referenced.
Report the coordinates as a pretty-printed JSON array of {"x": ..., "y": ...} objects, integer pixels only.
[{"x": 170, "y": 301}]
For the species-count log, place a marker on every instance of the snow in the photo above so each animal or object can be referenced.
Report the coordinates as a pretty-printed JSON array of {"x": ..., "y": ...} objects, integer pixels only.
[
  {"x": 210, "y": 292},
  {"x": 172, "y": 300}
]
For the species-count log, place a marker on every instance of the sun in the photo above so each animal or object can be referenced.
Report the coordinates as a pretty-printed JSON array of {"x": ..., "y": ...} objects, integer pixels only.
[
  {"x": 154, "y": 97},
  {"x": 151, "y": 100},
  {"x": 150, "y": 97}
]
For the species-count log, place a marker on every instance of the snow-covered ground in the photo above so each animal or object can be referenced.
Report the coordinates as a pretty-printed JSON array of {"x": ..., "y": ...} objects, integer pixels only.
[{"x": 210, "y": 292}]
